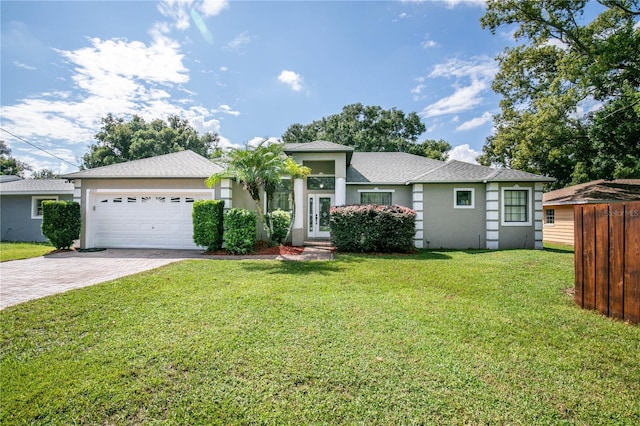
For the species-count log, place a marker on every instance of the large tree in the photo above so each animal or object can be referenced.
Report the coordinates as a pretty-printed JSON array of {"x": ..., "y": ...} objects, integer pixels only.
[
  {"x": 370, "y": 129},
  {"x": 9, "y": 165},
  {"x": 570, "y": 100},
  {"x": 119, "y": 141}
]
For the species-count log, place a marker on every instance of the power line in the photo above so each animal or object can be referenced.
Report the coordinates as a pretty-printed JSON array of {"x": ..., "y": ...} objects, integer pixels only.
[{"x": 37, "y": 147}]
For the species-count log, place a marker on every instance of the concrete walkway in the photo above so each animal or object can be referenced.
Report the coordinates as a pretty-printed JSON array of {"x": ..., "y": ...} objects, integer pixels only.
[{"x": 24, "y": 280}]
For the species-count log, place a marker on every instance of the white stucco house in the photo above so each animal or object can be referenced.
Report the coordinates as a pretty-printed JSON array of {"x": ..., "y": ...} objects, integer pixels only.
[{"x": 147, "y": 203}]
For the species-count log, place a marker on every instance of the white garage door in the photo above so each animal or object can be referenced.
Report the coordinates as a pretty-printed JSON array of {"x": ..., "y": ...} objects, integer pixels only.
[{"x": 153, "y": 220}]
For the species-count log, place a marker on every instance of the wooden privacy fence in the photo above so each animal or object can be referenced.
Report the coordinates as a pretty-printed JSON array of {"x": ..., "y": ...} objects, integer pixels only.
[{"x": 607, "y": 259}]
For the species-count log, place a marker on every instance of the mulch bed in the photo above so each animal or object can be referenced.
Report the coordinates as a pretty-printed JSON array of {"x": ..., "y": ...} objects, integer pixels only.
[{"x": 262, "y": 248}]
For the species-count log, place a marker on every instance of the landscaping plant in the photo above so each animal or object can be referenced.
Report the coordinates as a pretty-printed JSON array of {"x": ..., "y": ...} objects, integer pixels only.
[
  {"x": 280, "y": 221},
  {"x": 61, "y": 222},
  {"x": 240, "y": 231},
  {"x": 208, "y": 223}
]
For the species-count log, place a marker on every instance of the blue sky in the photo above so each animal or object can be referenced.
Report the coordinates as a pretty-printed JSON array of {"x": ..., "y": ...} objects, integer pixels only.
[{"x": 242, "y": 69}]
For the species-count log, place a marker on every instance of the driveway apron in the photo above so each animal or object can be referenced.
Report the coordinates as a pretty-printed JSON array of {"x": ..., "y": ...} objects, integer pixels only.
[{"x": 23, "y": 280}]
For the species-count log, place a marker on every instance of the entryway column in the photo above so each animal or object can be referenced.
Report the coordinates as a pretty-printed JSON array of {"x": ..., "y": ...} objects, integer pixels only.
[
  {"x": 418, "y": 206},
  {"x": 341, "y": 192},
  {"x": 297, "y": 233}
]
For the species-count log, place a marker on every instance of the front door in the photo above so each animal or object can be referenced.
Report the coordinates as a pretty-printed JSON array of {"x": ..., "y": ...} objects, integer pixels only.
[{"x": 318, "y": 215}]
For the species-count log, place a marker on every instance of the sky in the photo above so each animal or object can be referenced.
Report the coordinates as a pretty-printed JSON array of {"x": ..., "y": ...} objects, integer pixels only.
[{"x": 242, "y": 69}]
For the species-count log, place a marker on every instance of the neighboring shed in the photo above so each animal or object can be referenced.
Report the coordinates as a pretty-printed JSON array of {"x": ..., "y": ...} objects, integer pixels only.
[
  {"x": 21, "y": 206},
  {"x": 558, "y": 205}
]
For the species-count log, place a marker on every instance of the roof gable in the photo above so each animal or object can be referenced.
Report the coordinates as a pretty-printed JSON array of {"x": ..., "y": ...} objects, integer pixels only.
[{"x": 182, "y": 164}]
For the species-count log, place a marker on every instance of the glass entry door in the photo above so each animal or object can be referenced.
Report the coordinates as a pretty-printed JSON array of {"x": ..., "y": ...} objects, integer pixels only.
[{"x": 318, "y": 215}]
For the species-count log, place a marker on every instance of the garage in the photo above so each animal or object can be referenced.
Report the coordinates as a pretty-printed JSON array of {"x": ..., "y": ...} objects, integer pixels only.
[
  {"x": 146, "y": 219},
  {"x": 144, "y": 203}
]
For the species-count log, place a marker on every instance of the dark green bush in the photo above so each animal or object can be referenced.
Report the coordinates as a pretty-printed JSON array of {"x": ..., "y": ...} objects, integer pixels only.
[
  {"x": 61, "y": 222},
  {"x": 280, "y": 221},
  {"x": 240, "y": 230},
  {"x": 373, "y": 228},
  {"x": 208, "y": 223}
]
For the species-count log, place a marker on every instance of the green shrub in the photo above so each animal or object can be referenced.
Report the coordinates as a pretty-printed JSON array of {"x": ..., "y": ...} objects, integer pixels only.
[
  {"x": 240, "y": 230},
  {"x": 373, "y": 228},
  {"x": 61, "y": 222},
  {"x": 208, "y": 223},
  {"x": 280, "y": 221}
]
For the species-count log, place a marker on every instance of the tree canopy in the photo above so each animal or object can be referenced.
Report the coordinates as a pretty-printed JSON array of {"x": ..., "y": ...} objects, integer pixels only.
[
  {"x": 570, "y": 103},
  {"x": 370, "y": 129},
  {"x": 119, "y": 141},
  {"x": 9, "y": 165}
]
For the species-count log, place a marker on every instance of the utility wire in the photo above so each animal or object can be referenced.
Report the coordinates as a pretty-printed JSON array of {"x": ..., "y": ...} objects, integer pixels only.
[{"x": 37, "y": 147}]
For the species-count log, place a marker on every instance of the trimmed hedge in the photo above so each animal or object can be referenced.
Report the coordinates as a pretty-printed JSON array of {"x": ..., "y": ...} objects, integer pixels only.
[
  {"x": 61, "y": 222},
  {"x": 240, "y": 230},
  {"x": 373, "y": 228},
  {"x": 280, "y": 221},
  {"x": 208, "y": 223}
]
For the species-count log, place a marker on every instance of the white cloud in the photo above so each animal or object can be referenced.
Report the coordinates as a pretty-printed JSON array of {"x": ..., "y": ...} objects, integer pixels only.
[
  {"x": 25, "y": 66},
  {"x": 475, "y": 122},
  {"x": 181, "y": 12},
  {"x": 292, "y": 79},
  {"x": 428, "y": 44},
  {"x": 213, "y": 7},
  {"x": 240, "y": 41},
  {"x": 453, "y": 3},
  {"x": 464, "y": 153},
  {"x": 472, "y": 78},
  {"x": 226, "y": 109},
  {"x": 254, "y": 142}
]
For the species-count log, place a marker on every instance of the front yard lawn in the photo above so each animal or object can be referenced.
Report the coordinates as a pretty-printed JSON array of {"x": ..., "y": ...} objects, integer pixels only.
[
  {"x": 16, "y": 251},
  {"x": 438, "y": 337}
]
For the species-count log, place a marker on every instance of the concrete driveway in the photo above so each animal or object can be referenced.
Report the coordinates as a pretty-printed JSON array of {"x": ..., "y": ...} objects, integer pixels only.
[{"x": 23, "y": 280}]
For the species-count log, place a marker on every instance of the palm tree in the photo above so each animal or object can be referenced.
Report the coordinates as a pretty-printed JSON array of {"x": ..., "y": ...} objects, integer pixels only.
[{"x": 258, "y": 170}]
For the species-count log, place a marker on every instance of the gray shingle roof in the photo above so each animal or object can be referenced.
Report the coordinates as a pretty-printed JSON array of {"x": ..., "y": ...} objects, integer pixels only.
[
  {"x": 387, "y": 167},
  {"x": 36, "y": 186},
  {"x": 182, "y": 164},
  {"x": 460, "y": 171},
  {"x": 317, "y": 146},
  {"x": 403, "y": 168}
]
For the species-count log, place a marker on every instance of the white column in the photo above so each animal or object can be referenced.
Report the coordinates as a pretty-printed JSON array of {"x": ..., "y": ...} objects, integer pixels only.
[
  {"x": 341, "y": 192},
  {"x": 537, "y": 215},
  {"x": 493, "y": 216},
  {"x": 418, "y": 206},
  {"x": 226, "y": 193},
  {"x": 298, "y": 192}
]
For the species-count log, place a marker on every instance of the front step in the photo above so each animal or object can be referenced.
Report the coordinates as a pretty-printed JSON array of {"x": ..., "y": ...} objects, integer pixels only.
[{"x": 318, "y": 243}]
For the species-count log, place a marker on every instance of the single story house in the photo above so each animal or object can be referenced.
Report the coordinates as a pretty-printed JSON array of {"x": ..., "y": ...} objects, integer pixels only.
[
  {"x": 558, "y": 205},
  {"x": 147, "y": 203},
  {"x": 21, "y": 206}
]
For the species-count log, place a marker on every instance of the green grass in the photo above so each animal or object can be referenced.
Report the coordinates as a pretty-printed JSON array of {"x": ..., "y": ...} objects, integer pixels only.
[
  {"x": 439, "y": 337},
  {"x": 15, "y": 251}
]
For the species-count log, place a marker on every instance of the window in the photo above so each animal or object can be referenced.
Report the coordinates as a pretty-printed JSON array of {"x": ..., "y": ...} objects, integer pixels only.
[
  {"x": 281, "y": 196},
  {"x": 377, "y": 197},
  {"x": 516, "y": 206},
  {"x": 321, "y": 182},
  {"x": 36, "y": 206},
  {"x": 463, "y": 198},
  {"x": 550, "y": 216}
]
